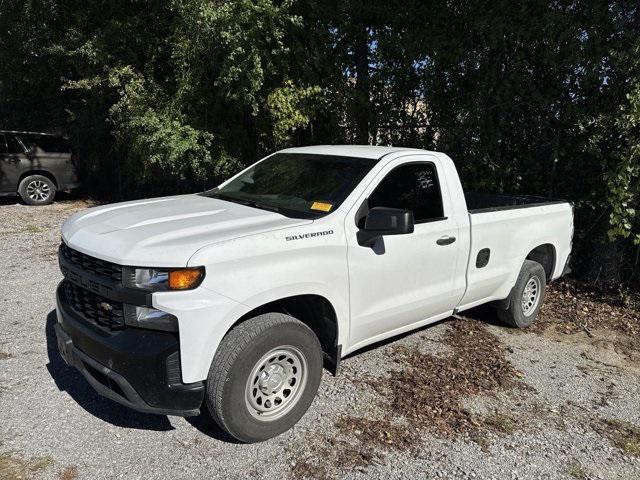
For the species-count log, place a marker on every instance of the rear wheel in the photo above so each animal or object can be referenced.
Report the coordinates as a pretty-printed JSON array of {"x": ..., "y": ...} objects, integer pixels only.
[
  {"x": 526, "y": 297},
  {"x": 37, "y": 190},
  {"x": 264, "y": 377}
]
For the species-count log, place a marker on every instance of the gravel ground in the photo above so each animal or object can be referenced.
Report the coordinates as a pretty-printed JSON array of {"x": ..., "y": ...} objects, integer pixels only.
[{"x": 561, "y": 405}]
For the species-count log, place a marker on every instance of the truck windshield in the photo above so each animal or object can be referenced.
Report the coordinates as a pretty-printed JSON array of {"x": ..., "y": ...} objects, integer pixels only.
[{"x": 296, "y": 184}]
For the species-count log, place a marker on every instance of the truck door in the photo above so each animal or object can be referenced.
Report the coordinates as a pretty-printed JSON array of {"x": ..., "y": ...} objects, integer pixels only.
[{"x": 403, "y": 279}]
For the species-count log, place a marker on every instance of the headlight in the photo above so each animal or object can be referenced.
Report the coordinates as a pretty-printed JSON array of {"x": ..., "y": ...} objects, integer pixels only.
[
  {"x": 147, "y": 317},
  {"x": 162, "y": 279}
]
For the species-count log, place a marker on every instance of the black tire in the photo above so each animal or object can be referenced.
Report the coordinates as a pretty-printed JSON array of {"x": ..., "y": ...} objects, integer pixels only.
[
  {"x": 518, "y": 315},
  {"x": 37, "y": 190},
  {"x": 228, "y": 396}
]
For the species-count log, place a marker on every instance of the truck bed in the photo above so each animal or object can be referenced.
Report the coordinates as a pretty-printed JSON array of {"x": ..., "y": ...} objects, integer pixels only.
[
  {"x": 504, "y": 231},
  {"x": 491, "y": 202}
]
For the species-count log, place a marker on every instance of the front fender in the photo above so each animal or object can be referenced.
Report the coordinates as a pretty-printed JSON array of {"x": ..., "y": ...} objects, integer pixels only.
[
  {"x": 205, "y": 317},
  {"x": 248, "y": 272}
]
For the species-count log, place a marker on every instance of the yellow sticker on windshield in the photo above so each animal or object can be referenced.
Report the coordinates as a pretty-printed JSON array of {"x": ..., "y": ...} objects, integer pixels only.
[{"x": 322, "y": 206}]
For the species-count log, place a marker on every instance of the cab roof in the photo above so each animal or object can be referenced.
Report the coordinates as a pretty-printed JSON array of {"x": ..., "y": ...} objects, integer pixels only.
[{"x": 360, "y": 151}]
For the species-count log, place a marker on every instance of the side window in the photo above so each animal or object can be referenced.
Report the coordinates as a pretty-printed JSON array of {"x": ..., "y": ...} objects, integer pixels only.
[
  {"x": 13, "y": 146},
  {"x": 3, "y": 144},
  {"x": 412, "y": 187},
  {"x": 46, "y": 143}
]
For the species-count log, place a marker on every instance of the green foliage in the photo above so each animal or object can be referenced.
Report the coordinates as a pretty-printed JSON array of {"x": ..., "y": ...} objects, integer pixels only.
[
  {"x": 237, "y": 46},
  {"x": 147, "y": 127},
  {"x": 533, "y": 97},
  {"x": 291, "y": 108},
  {"x": 624, "y": 180}
]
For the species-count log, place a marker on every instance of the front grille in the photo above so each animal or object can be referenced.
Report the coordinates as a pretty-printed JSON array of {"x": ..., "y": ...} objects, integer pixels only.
[
  {"x": 93, "y": 307},
  {"x": 90, "y": 264}
]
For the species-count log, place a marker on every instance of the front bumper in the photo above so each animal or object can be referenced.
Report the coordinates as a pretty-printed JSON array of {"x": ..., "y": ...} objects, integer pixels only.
[{"x": 135, "y": 367}]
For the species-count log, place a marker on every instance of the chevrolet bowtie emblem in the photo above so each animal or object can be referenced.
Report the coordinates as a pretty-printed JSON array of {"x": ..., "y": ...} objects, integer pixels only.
[{"x": 105, "y": 306}]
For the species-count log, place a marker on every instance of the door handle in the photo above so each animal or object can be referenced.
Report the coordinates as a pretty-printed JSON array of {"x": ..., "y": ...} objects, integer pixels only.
[{"x": 445, "y": 240}]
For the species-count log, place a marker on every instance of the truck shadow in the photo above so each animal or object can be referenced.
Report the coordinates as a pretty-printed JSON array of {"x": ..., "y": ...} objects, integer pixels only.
[
  {"x": 484, "y": 314},
  {"x": 68, "y": 379},
  {"x": 207, "y": 425}
]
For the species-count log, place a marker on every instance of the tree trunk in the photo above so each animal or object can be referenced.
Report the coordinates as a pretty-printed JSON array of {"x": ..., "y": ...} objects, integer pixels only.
[
  {"x": 362, "y": 93},
  {"x": 551, "y": 191}
]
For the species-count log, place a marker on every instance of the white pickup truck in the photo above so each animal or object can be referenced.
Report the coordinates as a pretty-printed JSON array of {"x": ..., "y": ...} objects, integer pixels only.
[{"x": 237, "y": 297}]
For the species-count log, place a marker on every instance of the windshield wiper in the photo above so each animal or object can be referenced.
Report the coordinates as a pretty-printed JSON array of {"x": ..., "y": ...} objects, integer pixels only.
[
  {"x": 248, "y": 203},
  {"x": 271, "y": 208},
  {"x": 254, "y": 204}
]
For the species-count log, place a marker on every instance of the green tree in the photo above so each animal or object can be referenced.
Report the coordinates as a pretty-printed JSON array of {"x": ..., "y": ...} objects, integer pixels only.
[
  {"x": 623, "y": 180},
  {"x": 533, "y": 97}
]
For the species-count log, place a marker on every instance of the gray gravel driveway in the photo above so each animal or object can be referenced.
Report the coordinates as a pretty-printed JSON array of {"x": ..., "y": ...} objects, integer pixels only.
[{"x": 461, "y": 399}]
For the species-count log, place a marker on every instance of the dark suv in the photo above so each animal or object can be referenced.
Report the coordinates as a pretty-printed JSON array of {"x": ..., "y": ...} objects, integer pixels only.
[{"x": 35, "y": 166}]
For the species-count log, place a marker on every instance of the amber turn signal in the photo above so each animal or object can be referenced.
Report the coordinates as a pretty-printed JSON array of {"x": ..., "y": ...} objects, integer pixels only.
[{"x": 185, "y": 279}]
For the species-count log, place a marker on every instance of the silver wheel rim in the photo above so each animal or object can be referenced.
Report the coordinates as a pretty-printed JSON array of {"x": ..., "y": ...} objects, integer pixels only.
[
  {"x": 38, "y": 190},
  {"x": 530, "y": 296},
  {"x": 276, "y": 383}
]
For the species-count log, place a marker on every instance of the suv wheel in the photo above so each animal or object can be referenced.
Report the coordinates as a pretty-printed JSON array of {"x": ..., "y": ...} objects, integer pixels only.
[
  {"x": 37, "y": 190},
  {"x": 264, "y": 377}
]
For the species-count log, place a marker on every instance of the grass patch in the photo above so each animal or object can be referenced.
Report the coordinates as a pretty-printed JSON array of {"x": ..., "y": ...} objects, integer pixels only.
[
  {"x": 12, "y": 466},
  {"x": 34, "y": 229},
  {"x": 623, "y": 435},
  {"x": 28, "y": 229},
  {"x": 501, "y": 423},
  {"x": 578, "y": 472}
]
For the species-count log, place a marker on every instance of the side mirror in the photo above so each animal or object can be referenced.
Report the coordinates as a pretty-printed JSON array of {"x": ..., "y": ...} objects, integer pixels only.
[{"x": 381, "y": 221}]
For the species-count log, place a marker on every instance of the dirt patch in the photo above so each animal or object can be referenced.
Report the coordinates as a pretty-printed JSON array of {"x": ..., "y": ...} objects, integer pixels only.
[
  {"x": 367, "y": 444},
  {"x": 429, "y": 389},
  {"x": 5, "y": 356},
  {"x": 606, "y": 349},
  {"x": 574, "y": 313},
  {"x": 13, "y": 466},
  {"x": 574, "y": 307},
  {"x": 68, "y": 473},
  {"x": 623, "y": 435},
  {"x": 425, "y": 395}
]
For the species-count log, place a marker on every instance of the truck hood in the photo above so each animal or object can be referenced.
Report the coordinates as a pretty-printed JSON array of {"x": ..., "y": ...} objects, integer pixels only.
[{"x": 166, "y": 231}]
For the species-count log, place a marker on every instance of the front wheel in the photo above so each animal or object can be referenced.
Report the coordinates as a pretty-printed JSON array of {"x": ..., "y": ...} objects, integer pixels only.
[
  {"x": 264, "y": 377},
  {"x": 526, "y": 297}
]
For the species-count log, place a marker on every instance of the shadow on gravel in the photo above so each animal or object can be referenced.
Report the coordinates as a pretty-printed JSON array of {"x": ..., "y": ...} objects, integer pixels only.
[
  {"x": 68, "y": 379},
  {"x": 207, "y": 425},
  {"x": 395, "y": 338},
  {"x": 9, "y": 200},
  {"x": 484, "y": 314},
  {"x": 61, "y": 197}
]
